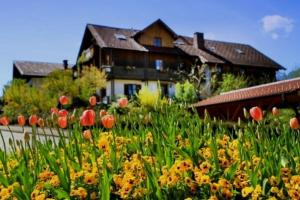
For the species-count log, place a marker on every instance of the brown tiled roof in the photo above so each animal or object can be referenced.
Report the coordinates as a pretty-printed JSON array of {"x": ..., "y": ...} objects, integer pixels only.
[
  {"x": 214, "y": 51},
  {"x": 203, "y": 55},
  {"x": 249, "y": 56},
  {"x": 263, "y": 90},
  {"x": 29, "y": 68},
  {"x": 105, "y": 37}
]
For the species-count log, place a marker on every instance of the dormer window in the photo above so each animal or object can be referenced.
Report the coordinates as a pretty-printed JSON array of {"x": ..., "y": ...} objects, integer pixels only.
[
  {"x": 157, "y": 42},
  {"x": 159, "y": 65},
  {"x": 120, "y": 36},
  {"x": 239, "y": 51}
]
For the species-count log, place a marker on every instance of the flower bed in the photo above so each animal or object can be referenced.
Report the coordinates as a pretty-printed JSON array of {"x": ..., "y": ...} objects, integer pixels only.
[{"x": 168, "y": 153}]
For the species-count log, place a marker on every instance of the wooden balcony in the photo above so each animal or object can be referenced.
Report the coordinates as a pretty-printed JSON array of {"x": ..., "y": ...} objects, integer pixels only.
[{"x": 135, "y": 73}]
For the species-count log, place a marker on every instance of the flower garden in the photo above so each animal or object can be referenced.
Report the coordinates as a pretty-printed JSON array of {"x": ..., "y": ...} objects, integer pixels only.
[{"x": 137, "y": 151}]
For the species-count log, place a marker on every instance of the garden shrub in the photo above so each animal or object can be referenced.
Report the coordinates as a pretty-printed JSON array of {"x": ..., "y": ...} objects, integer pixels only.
[
  {"x": 20, "y": 98},
  {"x": 185, "y": 92},
  {"x": 232, "y": 82}
]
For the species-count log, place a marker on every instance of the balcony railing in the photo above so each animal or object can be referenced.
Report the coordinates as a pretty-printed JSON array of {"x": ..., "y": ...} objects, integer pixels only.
[{"x": 135, "y": 73}]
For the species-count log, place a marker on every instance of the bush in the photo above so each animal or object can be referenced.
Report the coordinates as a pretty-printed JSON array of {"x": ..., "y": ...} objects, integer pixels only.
[
  {"x": 20, "y": 98},
  {"x": 232, "y": 82},
  {"x": 185, "y": 92},
  {"x": 149, "y": 98},
  {"x": 91, "y": 79}
]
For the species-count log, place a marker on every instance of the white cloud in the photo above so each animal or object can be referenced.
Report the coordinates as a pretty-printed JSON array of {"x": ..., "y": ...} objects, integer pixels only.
[{"x": 277, "y": 25}]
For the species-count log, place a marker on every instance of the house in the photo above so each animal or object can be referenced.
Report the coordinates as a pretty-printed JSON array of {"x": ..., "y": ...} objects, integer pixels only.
[
  {"x": 133, "y": 58},
  {"x": 230, "y": 105},
  {"x": 33, "y": 71}
]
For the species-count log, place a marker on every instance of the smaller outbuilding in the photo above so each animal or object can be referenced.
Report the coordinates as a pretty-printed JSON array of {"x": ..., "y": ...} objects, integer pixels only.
[{"x": 229, "y": 105}]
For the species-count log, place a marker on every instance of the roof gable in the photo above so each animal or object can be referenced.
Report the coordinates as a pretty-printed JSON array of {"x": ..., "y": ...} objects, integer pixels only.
[{"x": 158, "y": 22}]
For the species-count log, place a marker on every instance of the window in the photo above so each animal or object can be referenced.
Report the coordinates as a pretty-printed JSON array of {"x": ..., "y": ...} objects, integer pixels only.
[
  {"x": 157, "y": 42},
  {"x": 164, "y": 89},
  {"x": 239, "y": 51},
  {"x": 159, "y": 65},
  {"x": 131, "y": 89},
  {"x": 120, "y": 36}
]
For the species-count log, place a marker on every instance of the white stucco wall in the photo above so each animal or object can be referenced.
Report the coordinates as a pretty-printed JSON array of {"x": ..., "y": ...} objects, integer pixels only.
[{"x": 119, "y": 86}]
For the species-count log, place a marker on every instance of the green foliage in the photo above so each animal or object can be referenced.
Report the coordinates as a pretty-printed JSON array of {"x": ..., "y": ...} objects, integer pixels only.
[
  {"x": 185, "y": 92},
  {"x": 149, "y": 98},
  {"x": 231, "y": 82},
  {"x": 91, "y": 79},
  {"x": 20, "y": 98},
  {"x": 60, "y": 82}
]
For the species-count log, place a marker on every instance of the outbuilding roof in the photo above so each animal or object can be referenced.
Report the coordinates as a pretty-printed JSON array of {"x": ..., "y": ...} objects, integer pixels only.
[
  {"x": 30, "y": 68},
  {"x": 264, "y": 90}
]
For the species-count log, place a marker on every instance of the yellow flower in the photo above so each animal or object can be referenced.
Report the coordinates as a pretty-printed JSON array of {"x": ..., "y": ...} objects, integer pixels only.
[
  {"x": 247, "y": 191},
  {"x": 214, "y": 187},
  {"x": 55, "y": 181},
  {"x": 90, "y": 178}
]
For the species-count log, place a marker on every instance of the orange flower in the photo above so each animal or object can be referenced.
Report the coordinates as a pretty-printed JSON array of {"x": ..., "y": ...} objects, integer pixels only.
[
  {"x": 87, "y": 118},
  {"x": 4, "y": 121},
  {"x": 33, "y": 119},
  {"x": 123, "y": 102},
  {"x": 64, "y": 100},
  {"x": 54, "y": 110},
  {"x": 256, "y": 113},
  {"x": 93, "y": 100},
  {"x": 275, "y": 111},
  {"x": 87, "y": 134},
  {"x": 294, "y": 123},
  {"x": 62, "y": 122},
  {"x": 41, "y": 122},
  {"x": 21, "y": 120},
  {"x": 108, "y": 121},
  {"x": 63, "y": 113}
]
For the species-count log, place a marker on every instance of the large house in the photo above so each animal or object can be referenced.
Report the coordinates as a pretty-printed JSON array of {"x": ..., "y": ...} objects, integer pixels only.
[{"x": 133, "y": 58}]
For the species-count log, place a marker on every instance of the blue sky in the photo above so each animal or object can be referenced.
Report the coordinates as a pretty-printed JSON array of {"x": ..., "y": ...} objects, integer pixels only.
[{"x": 52, "y": 30}]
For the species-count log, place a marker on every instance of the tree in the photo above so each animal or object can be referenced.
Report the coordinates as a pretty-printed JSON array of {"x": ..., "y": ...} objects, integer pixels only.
[
  {"x": 91, "y": 79},
  {"x": 231, "y": 82},
  {"x": 60, "y": 82},
  {"x": 203, "y": 78}
]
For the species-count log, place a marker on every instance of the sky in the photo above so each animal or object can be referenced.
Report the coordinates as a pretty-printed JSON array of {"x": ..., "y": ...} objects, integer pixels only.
[{"x": 52, "y": 30}]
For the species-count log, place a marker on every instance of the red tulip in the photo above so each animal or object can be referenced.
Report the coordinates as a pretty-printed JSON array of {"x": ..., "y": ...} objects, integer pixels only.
[
  {"x": 33, "y": 119},
  {"x": 275, "y": 111},
  {"x": 54, "y": 110},
  {"x": 62, "y": 122},
  {"x": 256, "y": 113},
  {"x": 64, "y": 100},
  {"x": 21, "y": 120},
  {"x": 4, "y": 121},
  {"x": 87, "y": 134},
  {"x": 41, "y": 122},
  {"x": 102, "y": 113},
  {"x": 87, "y": 118},
  {"x": 108, "y": 121},
  {"x": 63, "y": 113},
  {"x": 294, "y": 123},
  {"x": 93, "y": 100},
  {"x": 123, "y": 102}
]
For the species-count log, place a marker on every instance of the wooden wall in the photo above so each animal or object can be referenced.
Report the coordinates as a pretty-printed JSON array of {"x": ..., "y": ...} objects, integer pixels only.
[{"x": 157, "y": 30}]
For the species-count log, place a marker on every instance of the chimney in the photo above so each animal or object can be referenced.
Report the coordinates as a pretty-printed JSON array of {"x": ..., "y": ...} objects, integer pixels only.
[
  {"x": 65, "y": 63},
  {"x": 198, "y": 41}
]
